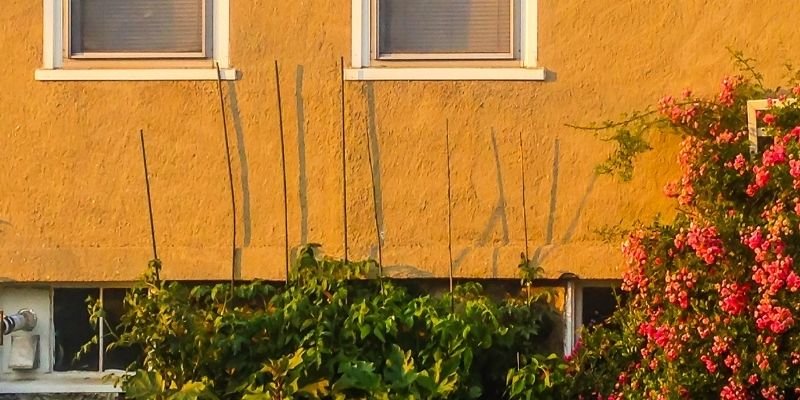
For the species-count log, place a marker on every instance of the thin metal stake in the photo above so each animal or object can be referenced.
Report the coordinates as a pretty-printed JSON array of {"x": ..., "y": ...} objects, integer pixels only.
[
  {"x": 149, "y": 204},
  {"x": 524, "y": 204},
  {"x": 344, "y": 162},
  {"x": 524, "y": 222},
  {"x": 524, "y": 212},
  {"x": 230, "y": 175},
  {"x": 449, "y": 211},
  {"x": 283, "y": 169}
]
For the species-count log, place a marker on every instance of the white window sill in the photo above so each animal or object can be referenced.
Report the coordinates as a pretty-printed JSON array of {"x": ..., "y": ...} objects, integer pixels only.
[
  {"x": 58, "y": 383},
  {"x": 172, "y": 74},
  {"x": 444, "y": 74}
]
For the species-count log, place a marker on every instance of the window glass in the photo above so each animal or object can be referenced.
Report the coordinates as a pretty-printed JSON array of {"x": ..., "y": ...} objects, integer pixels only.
[
  {"x": 445, "y": 27},
  {"x": 117, "y": 358},
  {"x": 136, "y": 26},
  {"x": 598, "y": 304},
  {"x": 73, "y": 330}
]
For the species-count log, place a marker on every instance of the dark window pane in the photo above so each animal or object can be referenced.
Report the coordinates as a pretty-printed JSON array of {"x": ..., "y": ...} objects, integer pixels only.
[
  {"x": 598, "y": 304},
  {"x": 73, "y": 330},
  {"x": 117, "y": 358}
]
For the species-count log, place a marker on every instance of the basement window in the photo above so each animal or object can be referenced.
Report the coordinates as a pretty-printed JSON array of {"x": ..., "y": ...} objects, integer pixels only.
[
  {"x": 588, "y": 303},
  {"x": 73, "y": 330}
]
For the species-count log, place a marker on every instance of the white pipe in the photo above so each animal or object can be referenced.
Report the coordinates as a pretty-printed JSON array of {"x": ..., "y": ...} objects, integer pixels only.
[{"x": 24, "y": 320}]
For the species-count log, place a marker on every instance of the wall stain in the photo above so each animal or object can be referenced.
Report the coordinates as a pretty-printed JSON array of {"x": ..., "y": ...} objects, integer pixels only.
[
  {"x": 301, "y": 152},
  {"x": 551, "y": 215},
  {"x": 244, "y": 166},
  {"x": 498, "y": 215},
  {"x": 574, "y": 223}
]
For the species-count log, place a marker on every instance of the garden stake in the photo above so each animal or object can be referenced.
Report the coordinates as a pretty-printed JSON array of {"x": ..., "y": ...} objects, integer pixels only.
[
  {"x": 344, "y": 160},
  {"x": 149, "y": 204},
  {"x": 524, "y": 221},
  {"x": 375, "y": 210},
  {"x": 524, "y": 209},
  {"x": 283, "y": 168},
  {"x": 449, "y": 211},
  {"x": 230, "y": 176}
]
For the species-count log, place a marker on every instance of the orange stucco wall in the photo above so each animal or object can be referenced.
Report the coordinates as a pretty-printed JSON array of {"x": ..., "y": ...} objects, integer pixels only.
[{"x": 73, "y": 206}]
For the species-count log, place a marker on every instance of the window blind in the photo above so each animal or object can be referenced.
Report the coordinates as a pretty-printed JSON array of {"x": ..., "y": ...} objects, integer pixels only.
[
  {"x": 444, "y": 26},
  {"x": 136, "y": 26}
]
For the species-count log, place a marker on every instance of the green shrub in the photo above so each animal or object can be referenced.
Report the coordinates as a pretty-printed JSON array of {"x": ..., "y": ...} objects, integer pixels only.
[{"x": 333, "y": 332}]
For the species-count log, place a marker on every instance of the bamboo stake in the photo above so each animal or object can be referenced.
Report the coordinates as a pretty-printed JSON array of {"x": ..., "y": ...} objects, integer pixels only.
[
  {"x": 449, "y": 211},
  {"x": 344, "y": 160},
  {"x": 283, "y": 169},
  {"x": 150, "y": 206}
]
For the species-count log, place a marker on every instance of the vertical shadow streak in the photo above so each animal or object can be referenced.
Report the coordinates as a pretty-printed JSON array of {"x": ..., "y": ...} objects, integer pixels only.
[
  {"x": 244, "y": 166},
  {"x": 375, "y": 148},
  {"x": 301, "y": 153}
]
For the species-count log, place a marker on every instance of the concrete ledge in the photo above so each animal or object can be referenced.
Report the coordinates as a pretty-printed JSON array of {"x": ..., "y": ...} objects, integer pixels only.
[{"x": 66, "y": 383}]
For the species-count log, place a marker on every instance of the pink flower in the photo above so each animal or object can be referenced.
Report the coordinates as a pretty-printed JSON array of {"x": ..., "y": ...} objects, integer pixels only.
[
  {"x": 705, "y": 242},
  {"x": 776, "y": 154},
  {"x": 733, "y": 297},
  {"x": 762, "y": 176},
  {"x": 769, "y": 119}
]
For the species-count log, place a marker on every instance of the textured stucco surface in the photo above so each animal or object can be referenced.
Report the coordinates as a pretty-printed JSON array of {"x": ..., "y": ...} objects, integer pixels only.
[{"x": 73, "y": 205}]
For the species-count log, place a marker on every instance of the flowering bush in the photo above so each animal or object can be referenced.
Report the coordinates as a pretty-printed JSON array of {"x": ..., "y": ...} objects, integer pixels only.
[{"x": 712, "y": 297}]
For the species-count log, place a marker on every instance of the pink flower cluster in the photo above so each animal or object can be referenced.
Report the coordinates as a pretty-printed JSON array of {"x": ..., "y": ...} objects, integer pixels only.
[
  {"x": 678, "y": 286},
  {"x": 733, "y": 297},
  {"x": 729, "y": 86},
  {"x": 776, "y": 319},
  {"x": 698, "y": 296},
  {"x": 706, "y": 242}
]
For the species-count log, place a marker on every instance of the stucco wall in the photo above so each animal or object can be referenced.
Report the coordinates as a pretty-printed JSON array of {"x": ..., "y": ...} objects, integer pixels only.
[{"x": 73, "y": 206}]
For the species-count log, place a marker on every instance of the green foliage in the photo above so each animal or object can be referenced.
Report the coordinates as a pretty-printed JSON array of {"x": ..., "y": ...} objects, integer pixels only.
[{"x": 333, "y": 332}]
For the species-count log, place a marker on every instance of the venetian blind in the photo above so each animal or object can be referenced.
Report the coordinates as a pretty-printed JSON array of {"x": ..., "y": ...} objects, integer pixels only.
[
  {"x": 137, "y": 26},
  {"x": 444, "y": 26}
]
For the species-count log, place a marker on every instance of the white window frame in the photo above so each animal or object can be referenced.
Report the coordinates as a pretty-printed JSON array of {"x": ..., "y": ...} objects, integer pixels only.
[
  {"x": 54, "y": 53},
  {"x": 753, "y": 131},
  {"x": 364, "y": 68},
  {"x": 573, "y": 308}
]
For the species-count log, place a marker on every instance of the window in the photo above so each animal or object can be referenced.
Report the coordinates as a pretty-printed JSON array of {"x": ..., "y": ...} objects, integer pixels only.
[
  {"x": 135, "y": 40},
  {"x": 444, "y": 40},
  {"x": 73, "y": 330},
  {"x": 588, "y": 303},
  {"x": 444, "y": 29},
  {"x": 759, "y": 139}
]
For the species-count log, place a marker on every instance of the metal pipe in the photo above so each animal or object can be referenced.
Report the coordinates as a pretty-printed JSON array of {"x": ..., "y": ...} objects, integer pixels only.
[{"x": 24, "y": 320}]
